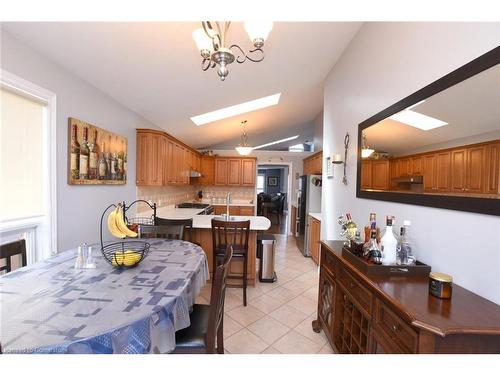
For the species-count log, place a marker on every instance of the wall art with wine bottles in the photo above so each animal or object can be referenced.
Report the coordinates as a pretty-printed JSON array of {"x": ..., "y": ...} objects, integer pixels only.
[{"x": 96, "y": 156}]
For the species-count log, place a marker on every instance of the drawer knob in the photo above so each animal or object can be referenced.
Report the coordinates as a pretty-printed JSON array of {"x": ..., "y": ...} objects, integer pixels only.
[
  {"x": 352, "y": 285},
  {"x": 395, "y": 328}
]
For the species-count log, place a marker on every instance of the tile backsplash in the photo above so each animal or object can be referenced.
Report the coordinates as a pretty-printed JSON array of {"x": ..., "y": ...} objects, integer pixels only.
[{"x": 172, "y": 195}]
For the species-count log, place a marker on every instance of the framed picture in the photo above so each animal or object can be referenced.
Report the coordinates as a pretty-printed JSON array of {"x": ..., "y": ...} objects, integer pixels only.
[
  {"x": 272, "y": 181},
  {"x": 95, "y": 155}
]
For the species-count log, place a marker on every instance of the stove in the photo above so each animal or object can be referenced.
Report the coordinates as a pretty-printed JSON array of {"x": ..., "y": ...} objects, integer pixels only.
[{"x": 207, "y": 209}]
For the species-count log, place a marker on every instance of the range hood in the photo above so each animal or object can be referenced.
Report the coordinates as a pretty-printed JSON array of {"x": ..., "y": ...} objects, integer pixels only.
[
  {"x": 193, "y": 173},
  {"x": 409, "y": 180}
]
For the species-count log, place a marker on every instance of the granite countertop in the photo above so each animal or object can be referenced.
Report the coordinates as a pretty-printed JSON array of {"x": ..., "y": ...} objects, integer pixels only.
[
  {"x": 316, "y": 215},
  {"x": 204, "y": 221},
  {"x": 234, "y": 204}
]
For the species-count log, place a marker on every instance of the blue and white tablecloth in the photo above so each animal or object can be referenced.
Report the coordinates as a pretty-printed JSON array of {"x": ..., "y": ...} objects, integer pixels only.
[{"x": 51, "y": 307}]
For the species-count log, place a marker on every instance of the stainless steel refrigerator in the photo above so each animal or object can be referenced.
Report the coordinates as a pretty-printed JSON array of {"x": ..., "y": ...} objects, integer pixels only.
[{"x": 308, "y": 200}]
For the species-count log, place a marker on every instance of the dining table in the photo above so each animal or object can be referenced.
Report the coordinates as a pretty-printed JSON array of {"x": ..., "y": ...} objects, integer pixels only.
[{"x": 51, "y": 307}]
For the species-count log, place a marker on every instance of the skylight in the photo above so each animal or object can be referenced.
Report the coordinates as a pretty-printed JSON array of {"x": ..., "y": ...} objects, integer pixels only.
[
  {"x": 276, "y": 142},
  {"x": 296, "y": 148},
  {"x": 417, "y": 120},
  {"x": 237, "y": 109}
]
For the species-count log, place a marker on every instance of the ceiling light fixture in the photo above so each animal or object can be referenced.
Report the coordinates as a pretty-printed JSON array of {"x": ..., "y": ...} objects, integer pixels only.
[
  {"x": 276, "y": 142},
  {"x": 237, "y": 109},
  {"x": 211, "y": 42},
  {"x": 366, "y": 151},
  {"x": 244, "y": 149}
]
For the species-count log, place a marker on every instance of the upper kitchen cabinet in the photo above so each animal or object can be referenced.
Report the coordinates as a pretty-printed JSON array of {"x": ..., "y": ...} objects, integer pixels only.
[
  {"x": 235, "y": 171},
  {"x": 314, "y": 164},
  {"x": 207, "y": 170},
  {"x": 149, "y": 161},
  {"x": 162, "y": 160}
]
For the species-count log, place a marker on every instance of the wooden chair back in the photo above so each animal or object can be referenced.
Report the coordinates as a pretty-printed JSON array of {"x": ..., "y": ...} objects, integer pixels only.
[
  {"x": 7, "y": 251},
  {"x": 218, "y": 295},
  {"x": 188, "y": 225},
  {"x": 173, "y": 232},
  {"x": 234, "y": 233}
]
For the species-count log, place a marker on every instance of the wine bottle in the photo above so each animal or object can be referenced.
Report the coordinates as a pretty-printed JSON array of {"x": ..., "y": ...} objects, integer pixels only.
[
  {"x": 373, "y": 252},
  {"x": 102, "y": 164},
  {"x": 388, "y": 243},
  {"x": 74, "y": 154},
  {"x": 368, "y": 228},
  {"x": 93, "y": 173},
  {"x": 84, "y": 156}
]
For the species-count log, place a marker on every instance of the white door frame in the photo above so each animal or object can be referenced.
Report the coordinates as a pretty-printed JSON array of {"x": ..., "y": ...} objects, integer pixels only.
[
  {"x": 47, "y": 246},
  {"x": 289, "y": 185}
]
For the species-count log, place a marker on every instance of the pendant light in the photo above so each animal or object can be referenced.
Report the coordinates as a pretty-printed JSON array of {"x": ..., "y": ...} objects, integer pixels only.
[
  {"x": 366, "y": 151},
  {"x": 244, "y": 149}
]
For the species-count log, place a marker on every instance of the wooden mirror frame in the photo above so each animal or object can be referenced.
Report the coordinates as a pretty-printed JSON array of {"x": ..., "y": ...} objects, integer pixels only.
[{"x": 469, "y": 204}]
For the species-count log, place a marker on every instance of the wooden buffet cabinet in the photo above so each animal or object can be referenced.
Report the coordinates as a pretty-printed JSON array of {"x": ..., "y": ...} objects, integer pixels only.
[
  {"x": 382, "y": 314},
  {"x": 471, "y": 169},
  {"x": 164, "y": 160}
]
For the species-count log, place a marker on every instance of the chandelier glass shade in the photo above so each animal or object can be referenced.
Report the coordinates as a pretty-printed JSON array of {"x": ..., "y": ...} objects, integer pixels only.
[
  {"x": 211, "y": 41},
  {"x": 366, "y": 151},
  {"x": 243, "y": 148}
]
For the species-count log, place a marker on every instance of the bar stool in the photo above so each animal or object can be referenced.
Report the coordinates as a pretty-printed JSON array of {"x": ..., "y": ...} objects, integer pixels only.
[
  {"x": 9, "y": 250},
  {"x": 234, "y": 234}
]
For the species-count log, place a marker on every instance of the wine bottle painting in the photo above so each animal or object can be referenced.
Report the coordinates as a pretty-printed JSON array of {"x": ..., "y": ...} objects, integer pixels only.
[{"x": 96, "y": 156}]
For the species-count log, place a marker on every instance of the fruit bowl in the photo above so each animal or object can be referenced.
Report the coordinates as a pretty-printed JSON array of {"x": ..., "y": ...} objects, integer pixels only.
[{"x": 125, "y": 254}]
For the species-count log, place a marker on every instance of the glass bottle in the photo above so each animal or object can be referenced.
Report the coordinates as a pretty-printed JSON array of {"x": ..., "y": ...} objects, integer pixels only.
[
  {"x": 102, "y": 164},
  {"x": 405, "y": 251},
  {"x": 89, "y": 261},
  {"x": 93, "y": 157},
  {"x": 368, "y": 228},
  {"x": 373, "y": 252},
  {"x": 84, "y": 156},
  {"x": 351, "y": 227},
  {"x": 75, "y": 154},
  {"x": 388, "y": 243}
]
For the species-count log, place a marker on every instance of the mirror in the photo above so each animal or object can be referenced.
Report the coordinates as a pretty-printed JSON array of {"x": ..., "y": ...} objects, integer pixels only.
[{"x": 440, "y": 146}]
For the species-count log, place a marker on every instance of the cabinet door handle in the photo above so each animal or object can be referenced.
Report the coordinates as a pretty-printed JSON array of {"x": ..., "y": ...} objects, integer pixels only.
[
  {"x": 351, "y": 285},
  {"x": 395, "y": 328}
]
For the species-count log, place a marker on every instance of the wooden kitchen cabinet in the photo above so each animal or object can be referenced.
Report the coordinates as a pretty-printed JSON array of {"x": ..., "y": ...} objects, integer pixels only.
[
  {"x": 430, "y": 172},
  {"x": 443, "y": 171},
  {"x": 207, "y": 170},
  {"x": 314, "y": 238},
  {"x": 380, "y": 174},
  {"x": 366, "y": 174},
  {"x": 405, "y": 167},
  {"x": 313, "y": 164},
  {"x": 458, "y": 167},
  {"x": 247, "y": 210},
  {"x": 386, "y": 314},
  {"x": 416, "y": 166},
  {"x": 248, "y": 171},
  {"x": 492, "y": 168},
  {"x": 475, "y": 171},
  {"x": 235, "y": 210},
  {"x": 293, "y": 221},
  {"x": 234, "y": 172},
  {"x": 221, "y": 169},
  {"x": 149, "y": 165}
]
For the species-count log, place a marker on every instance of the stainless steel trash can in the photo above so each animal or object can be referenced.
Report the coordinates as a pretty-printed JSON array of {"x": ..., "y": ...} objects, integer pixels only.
[{"x": 265, "y": 252}]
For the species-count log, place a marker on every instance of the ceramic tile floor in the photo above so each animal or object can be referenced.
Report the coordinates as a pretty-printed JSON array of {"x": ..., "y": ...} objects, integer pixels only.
[{"x": 278, "y": 316}]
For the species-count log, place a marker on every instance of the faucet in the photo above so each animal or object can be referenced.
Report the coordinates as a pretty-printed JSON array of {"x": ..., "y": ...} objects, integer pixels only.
[{"x": 228, "y": 200}]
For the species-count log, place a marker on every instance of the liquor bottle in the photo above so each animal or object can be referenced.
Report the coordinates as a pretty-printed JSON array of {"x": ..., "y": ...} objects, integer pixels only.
[
  {"x": 373, "y": 252},
  {"x": 93, "y": 158},
  {"x": 84, "y": 156},
  {"x": 75, "y": 154},
  {"x": 404, "y": 250},
  {"x": 351, "y": 227},
  {"x": 114, "y": 166},
  {"x": 102, "y": 164},
  {"x": 388, "y": 243},
  {"x": 368, "y": 228}
]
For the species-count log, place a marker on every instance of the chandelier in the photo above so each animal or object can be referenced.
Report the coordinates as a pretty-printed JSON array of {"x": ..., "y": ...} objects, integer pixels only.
[
  {"x": 244, "y": 148},
  {"x": 211, "y": 40}
]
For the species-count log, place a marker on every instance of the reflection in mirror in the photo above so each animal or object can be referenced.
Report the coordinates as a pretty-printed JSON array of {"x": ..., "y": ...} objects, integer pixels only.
[{"x": 447, "y": 144}]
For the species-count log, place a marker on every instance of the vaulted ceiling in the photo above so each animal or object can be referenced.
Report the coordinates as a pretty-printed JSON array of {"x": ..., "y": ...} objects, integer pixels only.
[{"x": 153, "y": 68}]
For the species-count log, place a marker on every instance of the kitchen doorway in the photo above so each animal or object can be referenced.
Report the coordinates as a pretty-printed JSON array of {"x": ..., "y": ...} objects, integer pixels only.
[{"x": 274, "y": 195}]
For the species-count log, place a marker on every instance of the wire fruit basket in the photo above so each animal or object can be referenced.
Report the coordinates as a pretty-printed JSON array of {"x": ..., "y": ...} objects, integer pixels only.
[{"x": 122, "y": 254}]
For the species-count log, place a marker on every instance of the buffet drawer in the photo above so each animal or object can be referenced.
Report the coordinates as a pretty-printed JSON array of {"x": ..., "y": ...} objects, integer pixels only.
[
  {"x": 353, "y": 286},
  {"x": 396, "y": 329},
  {"x": 328, "y": 261}
]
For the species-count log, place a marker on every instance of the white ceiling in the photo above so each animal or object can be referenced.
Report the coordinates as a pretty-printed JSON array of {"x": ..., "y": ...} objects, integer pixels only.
[
  {"x": 471, "y": 108},
  {"x": 154, "y": 69}
]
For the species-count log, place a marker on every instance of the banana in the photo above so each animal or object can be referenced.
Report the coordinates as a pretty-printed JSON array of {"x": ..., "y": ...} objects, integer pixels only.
[
  {"x": 112, "y": 225},
  {"x": 120, "y": 223}
]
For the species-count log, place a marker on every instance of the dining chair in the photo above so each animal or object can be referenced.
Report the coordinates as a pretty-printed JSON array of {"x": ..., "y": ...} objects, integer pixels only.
[
  {"x": 7, "y": 251},
  {"x": 234, "y": 234},
  {"x": 188, "y": 226},
  {"x": 173, "y": 232},
  {"x": 206, "y": 332}
]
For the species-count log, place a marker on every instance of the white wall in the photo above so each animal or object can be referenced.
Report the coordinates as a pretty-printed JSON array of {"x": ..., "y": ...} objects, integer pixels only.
[
  {"x": 318, "y": 132},
  {"x": 384, "y": 63},
  {"x": 78, "y": 207}
]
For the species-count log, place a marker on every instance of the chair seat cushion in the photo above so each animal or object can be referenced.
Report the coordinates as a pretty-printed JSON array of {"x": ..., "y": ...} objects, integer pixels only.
[
  {"x": 193, "y": 337},
  {"x": 238, "y": 250}
]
